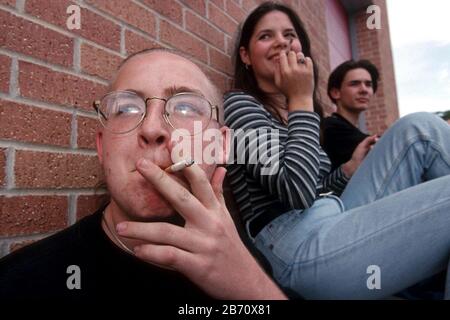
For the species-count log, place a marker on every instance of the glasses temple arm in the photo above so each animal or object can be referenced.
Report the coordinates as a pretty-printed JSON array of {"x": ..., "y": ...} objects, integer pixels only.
[{"x": 95, "y": 106}]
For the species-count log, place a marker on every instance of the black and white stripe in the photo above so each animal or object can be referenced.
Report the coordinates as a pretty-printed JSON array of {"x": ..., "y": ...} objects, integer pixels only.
[{"x": 302, "y": 171}]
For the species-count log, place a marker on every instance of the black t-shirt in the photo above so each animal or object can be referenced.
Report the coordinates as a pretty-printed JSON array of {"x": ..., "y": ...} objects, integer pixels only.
[
  {"x": 339, "y": 139},
  {"x": 40, "y": 270}
]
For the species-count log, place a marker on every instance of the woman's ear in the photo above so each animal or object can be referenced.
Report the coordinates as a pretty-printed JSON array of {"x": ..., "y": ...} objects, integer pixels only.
[{"x": 244, "y": 56}]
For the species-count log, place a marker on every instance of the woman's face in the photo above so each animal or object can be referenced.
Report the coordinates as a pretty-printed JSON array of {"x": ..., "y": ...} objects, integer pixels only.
[{"x": 273, "y": 34}]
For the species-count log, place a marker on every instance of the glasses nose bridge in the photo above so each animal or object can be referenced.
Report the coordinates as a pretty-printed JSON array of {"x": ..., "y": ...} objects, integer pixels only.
[
  {"x": 163, "y": 113},
  {"x": 149, "y": 99}
]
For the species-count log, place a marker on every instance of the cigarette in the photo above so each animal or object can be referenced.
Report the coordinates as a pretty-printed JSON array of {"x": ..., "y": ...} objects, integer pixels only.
[{"x": 179, "y": 166}]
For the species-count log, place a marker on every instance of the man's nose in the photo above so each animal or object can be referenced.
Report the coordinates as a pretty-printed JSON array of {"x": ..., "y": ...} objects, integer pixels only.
[
  {"x": 154, "y": 130},
  {"x": 363, "y": 88}
]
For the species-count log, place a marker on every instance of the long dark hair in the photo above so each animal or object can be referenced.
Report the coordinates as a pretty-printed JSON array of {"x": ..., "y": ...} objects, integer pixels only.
[{"x": 244, "y": 79}]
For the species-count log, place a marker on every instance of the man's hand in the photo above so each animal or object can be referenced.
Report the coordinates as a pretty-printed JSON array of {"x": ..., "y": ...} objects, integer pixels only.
[
  {"x": 295, "y": 80},
  {"x": 207, "y": 249},
  {"x": 358, "y": 155}
]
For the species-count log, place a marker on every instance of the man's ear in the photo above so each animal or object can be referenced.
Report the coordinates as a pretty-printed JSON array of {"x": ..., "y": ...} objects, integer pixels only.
[
  {"x": 226, "y": 147},
  {"x": 335, "y": 93},
  {"x": 99, "y": 144},
  {"x": 244, "y": 56}
]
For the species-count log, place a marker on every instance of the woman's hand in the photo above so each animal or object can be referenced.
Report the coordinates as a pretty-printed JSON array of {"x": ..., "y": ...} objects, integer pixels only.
[
  {"x": 294, "y": 77},
  {"x": 208, "y": 249},
  {"x": 358, "y": 155}
]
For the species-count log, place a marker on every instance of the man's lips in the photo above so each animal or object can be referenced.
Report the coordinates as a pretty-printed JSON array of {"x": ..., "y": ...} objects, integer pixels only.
[
  {"x": 177, "y": 176},
  {"x": 362, "y": 100}
]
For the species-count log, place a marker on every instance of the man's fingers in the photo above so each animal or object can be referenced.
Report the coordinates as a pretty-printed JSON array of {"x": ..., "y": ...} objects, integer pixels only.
[
  {"x": 179, "y": 197},
  {"x": 201, "y": 186},
  {"x": 164, "y": 256},
  {"x": 160, "y": 233},
  {"x": 369, "y": 140}
]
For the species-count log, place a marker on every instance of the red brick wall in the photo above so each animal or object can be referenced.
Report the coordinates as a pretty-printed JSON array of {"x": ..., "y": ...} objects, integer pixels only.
[
  {"x": 375, "y": 45},
  {"x": 49, "y": 76}
]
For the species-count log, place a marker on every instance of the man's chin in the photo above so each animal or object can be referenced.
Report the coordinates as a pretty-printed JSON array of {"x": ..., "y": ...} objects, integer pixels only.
[{"x": 159, "y": 214}]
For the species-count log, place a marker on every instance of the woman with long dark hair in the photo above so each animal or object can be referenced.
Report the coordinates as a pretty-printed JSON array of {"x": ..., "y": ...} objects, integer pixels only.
[{"x": 373, "y": 227}]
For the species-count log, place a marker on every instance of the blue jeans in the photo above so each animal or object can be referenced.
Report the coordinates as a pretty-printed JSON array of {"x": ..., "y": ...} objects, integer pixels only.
[{"x": 389, "y": 229}]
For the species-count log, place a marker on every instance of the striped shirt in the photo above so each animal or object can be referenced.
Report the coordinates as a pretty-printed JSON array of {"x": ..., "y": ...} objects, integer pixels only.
[{"x": 273, "y": 164}]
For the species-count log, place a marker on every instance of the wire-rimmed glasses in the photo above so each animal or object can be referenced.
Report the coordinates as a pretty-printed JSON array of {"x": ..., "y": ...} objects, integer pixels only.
[{"x": 123, "y": 111}]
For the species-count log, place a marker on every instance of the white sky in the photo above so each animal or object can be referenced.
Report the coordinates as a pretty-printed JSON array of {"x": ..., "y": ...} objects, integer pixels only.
[{"x": 420, "y": 36}]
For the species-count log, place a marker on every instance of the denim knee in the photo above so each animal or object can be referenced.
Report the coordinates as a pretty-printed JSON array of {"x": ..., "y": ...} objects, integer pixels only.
[
  {"x": 421, "y": 120},
  {"x": 422, "y": 125}
]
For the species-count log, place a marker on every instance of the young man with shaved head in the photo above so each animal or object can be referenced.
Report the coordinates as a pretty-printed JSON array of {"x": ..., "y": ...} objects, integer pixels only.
[{"x": 166, "y": 230}]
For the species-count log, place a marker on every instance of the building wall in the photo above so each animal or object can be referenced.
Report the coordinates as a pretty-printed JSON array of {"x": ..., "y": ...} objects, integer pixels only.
[
  {"x": 375, "y": 45},
  {"x": 338, "y": 33},
  {"x": 49, "y": 76}
]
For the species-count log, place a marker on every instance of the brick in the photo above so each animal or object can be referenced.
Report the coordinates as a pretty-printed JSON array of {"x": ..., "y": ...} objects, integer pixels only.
[
  {"x": 2, "y": 167},
  {"x": 183, "y": 41},
  {"x": 136, "y": 43},
  {"x": 221, "y": 20},
  {"x": 170, "y": 9},
  {"x": 43, "y": 84},
  {"x": 219, "y": 3},
  {"x": 20, "y": 244},
  {"x": 32, "y": 214},
  {"x": 248, "y": 5},
  {"x": 205, "y": 31},
  {"x": 220, "y": 61},
  {"x": 198, "y": 6},
  {"x": 88, "y": 204},
  {"x": 93, "y": 27},
  {"x": 31, "y": 124},
  {"x": 230, "y": 45},
  {"x": 98, "y": 62},
  {"x": 87, "y": 128},
  {"x": 55, "y": 170},
  {"x": 5, "y": 72},
  {"x": 128, "y": 12},
  {"x": 34, "y": 40},
  {"x": 11, "y": 3},
  {"x": 235, "y": 11}
]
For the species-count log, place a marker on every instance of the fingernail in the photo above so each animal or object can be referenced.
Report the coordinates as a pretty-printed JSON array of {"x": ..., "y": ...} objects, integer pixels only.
[
  {"x": 137, "y": 249},
  {"x": 121, "y": 227},
  {"x": 143, "y": 163}
]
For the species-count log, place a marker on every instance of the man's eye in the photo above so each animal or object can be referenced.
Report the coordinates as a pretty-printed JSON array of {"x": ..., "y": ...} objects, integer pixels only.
[
  {"x": 187, "y": 109},
  {"x": 127, "y": 109},
  {"x": 264, "y": 36}
]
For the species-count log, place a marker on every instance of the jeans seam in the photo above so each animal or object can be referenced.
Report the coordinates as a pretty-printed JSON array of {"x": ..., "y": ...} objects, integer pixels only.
[
  {"x": 400, "y": 157},
  {"x": 370, "y": 236}
]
